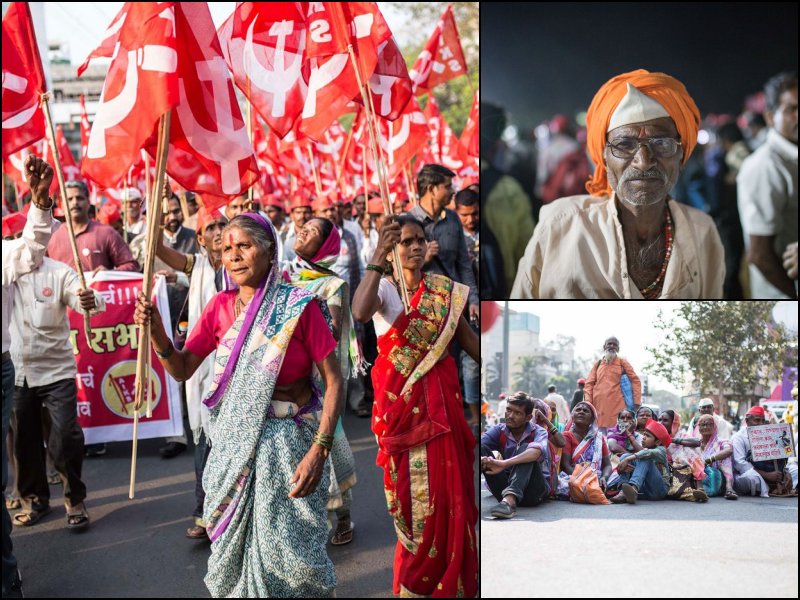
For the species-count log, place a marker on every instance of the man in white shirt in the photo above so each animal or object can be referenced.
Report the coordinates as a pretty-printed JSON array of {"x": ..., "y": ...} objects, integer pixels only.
[
  {"x": 134, "y": 220},
  {"x": 20, "y": 257},
  {"x": 562, "y": 408},
  {"x": 45, "y": 378},
  {"x": 767, "y": 193},
  {"x": 299, "y": 214}
]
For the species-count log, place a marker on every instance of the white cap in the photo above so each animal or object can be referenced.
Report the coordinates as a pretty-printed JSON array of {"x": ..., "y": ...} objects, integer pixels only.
[
  {"x": 705, "y": 402},
  {"x": 635, "y": 107}
]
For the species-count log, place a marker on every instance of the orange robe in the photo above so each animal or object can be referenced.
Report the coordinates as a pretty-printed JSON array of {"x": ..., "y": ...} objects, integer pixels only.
[{"x": 603, "y": 392}]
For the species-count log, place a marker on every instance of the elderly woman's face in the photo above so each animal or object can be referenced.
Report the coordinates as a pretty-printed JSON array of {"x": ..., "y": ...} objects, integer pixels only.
[
  {"x": 309, "y": 239},
  {"x": 643, "y": 416},
  {"x": 705, "y": 426},
  {"x": 246, "y": 261},
  {"x": 582, "y": 414},
  {"x": 644, "y": 178}
]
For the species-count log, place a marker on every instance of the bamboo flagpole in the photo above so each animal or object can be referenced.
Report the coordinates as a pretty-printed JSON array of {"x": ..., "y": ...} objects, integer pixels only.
[
  {"x": 153, "y": 223},
  {"x": 317, "y": 182},
  {"x": 343, "y": 161},
  {"x": 62, "y": 186},
  {"x": 250, "y": 139},
  {"x": 384, "y": 186}
]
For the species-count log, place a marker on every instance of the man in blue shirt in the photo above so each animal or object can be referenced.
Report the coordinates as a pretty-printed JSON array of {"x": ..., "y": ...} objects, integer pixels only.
[{"x": 520, "y": 477}]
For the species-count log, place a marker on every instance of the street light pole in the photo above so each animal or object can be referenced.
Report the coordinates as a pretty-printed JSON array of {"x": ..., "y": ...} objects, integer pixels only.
[{"x": 506, "y": 358}]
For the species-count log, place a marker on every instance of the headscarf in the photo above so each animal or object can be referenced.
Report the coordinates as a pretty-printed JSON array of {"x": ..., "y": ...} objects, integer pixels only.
[
  {"x": 310, "y": 276},
  {"x": 265, "y": 292},
  {"x": 590, "y": 449},
  {"x": 676, "y": 423},
  {"x": 666, "y": 90}
]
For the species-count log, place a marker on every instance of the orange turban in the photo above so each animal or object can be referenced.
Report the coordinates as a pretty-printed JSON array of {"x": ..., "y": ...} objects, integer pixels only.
[{"x": 666, "y": 90}]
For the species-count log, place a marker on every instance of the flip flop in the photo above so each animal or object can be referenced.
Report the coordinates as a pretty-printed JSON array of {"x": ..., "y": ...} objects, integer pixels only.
[
  {"x": 731, "y": 495},
  {"x": 13, "y": 503},
  {"x": 197, "y": 532},
  {"x": 30, "y": 517},
  {"x": 77, "y": 517},
  {"x": 344, "y": 537}
]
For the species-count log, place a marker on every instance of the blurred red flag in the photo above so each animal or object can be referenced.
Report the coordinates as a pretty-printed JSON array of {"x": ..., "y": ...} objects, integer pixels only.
[
  {"x": 404, "y": 137},
  {"x": 23, "y": 81},
  {"x": 470, "y": 139},
  {"x": 442, "y": 58}
]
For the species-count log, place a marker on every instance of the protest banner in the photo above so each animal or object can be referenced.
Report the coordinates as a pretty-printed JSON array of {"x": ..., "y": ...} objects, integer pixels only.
[
  {"x": 770, "y": 442},
  {"x": 106, "y": 365}
]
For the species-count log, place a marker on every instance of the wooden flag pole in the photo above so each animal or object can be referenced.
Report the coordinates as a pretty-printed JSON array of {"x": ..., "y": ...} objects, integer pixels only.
[
  {"x": 250, "y": 138},
  {"x": 364, "y": 165},
  {"x": 317, "y": 182},
  {"x": 343, "y": 162},
  {"x": 62, "y": 186},
  {"x": 384, "y": 186},
  {"x": 151, "y": 240}
]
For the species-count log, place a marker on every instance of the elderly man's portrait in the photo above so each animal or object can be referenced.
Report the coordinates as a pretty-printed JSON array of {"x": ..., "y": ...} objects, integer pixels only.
[{"x": 639, "y": 151}]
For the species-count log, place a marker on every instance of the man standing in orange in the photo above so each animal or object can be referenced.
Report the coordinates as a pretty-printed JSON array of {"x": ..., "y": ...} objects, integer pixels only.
[{"x": 603, "y": 385}]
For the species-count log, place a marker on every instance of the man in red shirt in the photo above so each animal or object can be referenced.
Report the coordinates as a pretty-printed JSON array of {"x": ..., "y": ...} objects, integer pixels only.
[{"x": 100, "y": 247}]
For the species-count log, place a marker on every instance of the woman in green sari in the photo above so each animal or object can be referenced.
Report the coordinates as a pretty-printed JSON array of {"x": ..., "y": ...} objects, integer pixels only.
[
  {"x": 266, "y": 480},
  {"x": 317, "y": 247}
]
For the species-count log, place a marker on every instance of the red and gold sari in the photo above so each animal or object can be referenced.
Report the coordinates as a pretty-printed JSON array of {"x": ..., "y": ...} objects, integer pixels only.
[{"x": 426, "y": 446}]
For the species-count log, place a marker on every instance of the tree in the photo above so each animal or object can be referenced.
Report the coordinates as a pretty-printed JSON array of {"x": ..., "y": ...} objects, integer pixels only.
[
  {"x": 526, "y": 379},
  {"x": 494, "y": 376},
  {"x": 723, "y": 345}
]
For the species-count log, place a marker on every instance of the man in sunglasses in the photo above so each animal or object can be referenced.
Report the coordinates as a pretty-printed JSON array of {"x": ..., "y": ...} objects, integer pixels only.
[{"x": 628, "y": 239}]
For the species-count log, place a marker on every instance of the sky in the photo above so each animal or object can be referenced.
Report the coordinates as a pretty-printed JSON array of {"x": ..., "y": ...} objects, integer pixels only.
[
  {"x": 592, "y": 322},
  {"x": 539, "y": 59},
  {"x": 82, "y": 24}
]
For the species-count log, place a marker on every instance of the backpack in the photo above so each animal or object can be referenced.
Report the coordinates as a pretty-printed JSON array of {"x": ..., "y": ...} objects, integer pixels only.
[{"x": 569, "y": 177}]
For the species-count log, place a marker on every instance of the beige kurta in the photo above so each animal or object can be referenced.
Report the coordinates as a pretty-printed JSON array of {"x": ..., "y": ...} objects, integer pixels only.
[{"x": 578, "y": 251}]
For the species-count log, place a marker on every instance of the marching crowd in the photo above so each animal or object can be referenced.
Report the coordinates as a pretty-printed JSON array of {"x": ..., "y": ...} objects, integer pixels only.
[
  {"x": 609, "y": 448},
  {"x": 283, "y": 311}
]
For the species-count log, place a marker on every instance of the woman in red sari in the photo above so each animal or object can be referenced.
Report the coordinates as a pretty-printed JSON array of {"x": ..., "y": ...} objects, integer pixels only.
[{"x": 425, "y": 446}]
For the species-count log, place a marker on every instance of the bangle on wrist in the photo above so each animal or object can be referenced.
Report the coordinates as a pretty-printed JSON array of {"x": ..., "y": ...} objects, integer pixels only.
[
  {"x": 167, "y": 353},
  {"x": 376, "y": 268}
]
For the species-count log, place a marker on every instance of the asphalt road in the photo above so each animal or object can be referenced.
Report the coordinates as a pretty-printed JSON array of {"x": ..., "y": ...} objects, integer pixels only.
[
  {"x": 721, "y": 549},
  {"x": 137, "y": 547}
]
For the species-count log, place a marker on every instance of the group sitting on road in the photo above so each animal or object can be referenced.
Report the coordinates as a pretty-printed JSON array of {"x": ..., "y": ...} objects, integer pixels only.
[{"x": 614, "y": 450}]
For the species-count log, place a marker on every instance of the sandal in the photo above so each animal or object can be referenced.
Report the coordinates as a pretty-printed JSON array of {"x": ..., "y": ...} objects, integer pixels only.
[
  {"x": 731, "y": 495},
  {"x": 13, "y": 503},
  {"x": 340, "y": 538},
  {"x": 26, "y": 518},
  {"x": 54, "y": 479},
  {"x": 77, "y": 516},
  {"x": 197, "y": 532}
]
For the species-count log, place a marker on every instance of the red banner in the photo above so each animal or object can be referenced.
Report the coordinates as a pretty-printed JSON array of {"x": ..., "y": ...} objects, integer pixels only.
[{"x": 107, "y": 366}]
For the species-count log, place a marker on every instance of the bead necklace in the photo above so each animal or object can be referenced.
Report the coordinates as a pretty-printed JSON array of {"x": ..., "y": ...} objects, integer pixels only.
[{"x": 653, "y": 290}]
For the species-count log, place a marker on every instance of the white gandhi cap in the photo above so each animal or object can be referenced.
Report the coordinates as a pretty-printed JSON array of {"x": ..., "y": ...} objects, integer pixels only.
[{"x": 635, "y": 107}]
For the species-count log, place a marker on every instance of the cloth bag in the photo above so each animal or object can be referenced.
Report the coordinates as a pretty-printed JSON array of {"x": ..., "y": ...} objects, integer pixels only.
[
  {"x": 584, "y": 487},
  {"x": 682, "y": 484}
]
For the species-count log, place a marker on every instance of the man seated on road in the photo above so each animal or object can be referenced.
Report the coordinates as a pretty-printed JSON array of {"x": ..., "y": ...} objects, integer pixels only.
[
  {"x": 520, "y": 477},
  {"x": 646, "y": 472},
  {"x": 759, "y": 478},
  {"x": 706, "y": 407}
]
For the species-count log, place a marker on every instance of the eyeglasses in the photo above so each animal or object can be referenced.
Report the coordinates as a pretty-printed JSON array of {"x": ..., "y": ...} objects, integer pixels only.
[{"x": 662, "y": 147}]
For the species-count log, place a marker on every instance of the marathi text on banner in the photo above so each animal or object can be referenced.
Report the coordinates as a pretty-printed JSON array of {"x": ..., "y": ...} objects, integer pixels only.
[
  {"x": 768, "y": 442},
  {"x": 106, "y": 366}
]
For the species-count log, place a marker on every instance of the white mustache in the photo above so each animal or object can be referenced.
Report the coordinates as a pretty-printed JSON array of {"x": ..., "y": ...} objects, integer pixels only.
[{"x": 634, "y": 173}]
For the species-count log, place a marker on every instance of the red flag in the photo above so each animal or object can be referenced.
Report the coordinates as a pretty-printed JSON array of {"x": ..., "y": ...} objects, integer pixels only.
[
  {"x": 444, "y": 148},
  {"x": 470, "y": 140},
  {"x": 401, "y": 139},
  {"x": 85, "y": 128},
  {"x": 263, "y": 43},
  {"x": 141, "y": 85},
  {"x": 332, "y": 82},
  {"x": 442, "y": 58},
  {"x": 209, "y": 151},
  {"x": 71, "y": 170},
  {"x": 390, "y": 84},
  {"x": 23, "y": 81}
]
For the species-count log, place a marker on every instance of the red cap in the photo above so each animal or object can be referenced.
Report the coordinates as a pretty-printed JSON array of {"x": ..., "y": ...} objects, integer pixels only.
[
  {"x": 581, "y": 381},
  {"x": 658, "y": 430},
  {"x": 273, "y": 200},
  {"x": 375, "y": 206},
  {"x": 757, "y": 411},
  {"x": 321, "y": 203},
  {"x": 13, "y": 224},
  {"x": 108, "y": 213},
  {"x": 205, "y": 216},
  {"x": 299, "y": 201}
]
